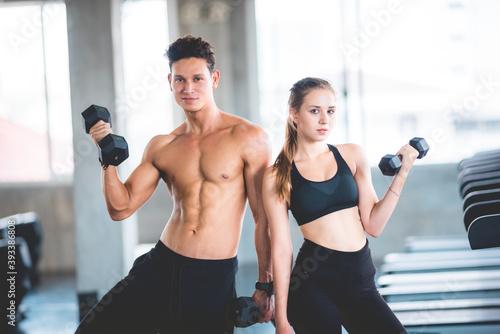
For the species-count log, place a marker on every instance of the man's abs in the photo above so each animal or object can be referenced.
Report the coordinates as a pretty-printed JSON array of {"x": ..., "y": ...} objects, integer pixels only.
[{"x": 206, "y": 226}]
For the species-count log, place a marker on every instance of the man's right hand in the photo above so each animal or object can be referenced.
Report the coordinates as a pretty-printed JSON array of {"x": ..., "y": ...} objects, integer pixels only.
[{"x": 100, "y": 130}]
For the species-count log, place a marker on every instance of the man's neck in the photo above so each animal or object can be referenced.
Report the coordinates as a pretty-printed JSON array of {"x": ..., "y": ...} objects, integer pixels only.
[{"x": 203, "y": 121}]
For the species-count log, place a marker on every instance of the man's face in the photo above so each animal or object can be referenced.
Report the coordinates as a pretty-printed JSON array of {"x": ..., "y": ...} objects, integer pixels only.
[{"x": 192, "y": 83}]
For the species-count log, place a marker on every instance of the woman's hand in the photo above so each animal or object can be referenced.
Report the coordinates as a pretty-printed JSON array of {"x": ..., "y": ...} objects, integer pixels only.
[
  {"x": 407, "y": 154},
  {"x": 284, "y": 328}
]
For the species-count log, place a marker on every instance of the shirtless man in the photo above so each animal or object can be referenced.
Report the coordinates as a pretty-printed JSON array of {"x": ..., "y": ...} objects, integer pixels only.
[{"x": 211, "y": 164}]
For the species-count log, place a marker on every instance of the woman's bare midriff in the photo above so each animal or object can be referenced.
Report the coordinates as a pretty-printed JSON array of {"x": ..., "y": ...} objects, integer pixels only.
[{"x": 341, "y": 230}]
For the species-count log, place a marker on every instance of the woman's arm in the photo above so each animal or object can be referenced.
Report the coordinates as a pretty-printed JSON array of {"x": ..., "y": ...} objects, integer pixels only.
[
  {"x": 375, "y": 213},
  {"x": 281, "y": 249}
]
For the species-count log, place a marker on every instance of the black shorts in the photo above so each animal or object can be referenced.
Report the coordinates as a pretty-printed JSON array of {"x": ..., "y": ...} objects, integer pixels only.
[
  {"x": 166, "y": 292},
  {"x": 329, "y": 288}
]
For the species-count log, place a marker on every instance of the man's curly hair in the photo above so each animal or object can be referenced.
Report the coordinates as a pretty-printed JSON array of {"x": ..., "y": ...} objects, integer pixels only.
[{"x": 189, "y": 46}]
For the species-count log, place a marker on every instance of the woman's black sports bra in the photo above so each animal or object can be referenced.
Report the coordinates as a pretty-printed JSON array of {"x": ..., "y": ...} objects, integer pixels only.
[{"x": 310, "y": 200}]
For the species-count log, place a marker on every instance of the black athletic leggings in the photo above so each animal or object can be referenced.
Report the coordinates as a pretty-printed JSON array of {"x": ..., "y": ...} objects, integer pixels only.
[
  {"x": 165, "y": 292},
  {"x": 330, "y": 288}
]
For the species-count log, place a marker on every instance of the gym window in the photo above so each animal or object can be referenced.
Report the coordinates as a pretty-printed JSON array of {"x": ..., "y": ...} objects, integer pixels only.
[
  {"x": 401, "y": 69},
  {"x": 36, "y": 138},
  {"x": 147, "y": 104},
  {"x": 291, "y": 44},
  {"x": 35, "y": 122}
]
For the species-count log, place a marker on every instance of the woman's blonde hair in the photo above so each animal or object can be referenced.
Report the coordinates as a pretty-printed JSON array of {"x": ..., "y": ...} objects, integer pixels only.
[{"x": 283, "y": 164}]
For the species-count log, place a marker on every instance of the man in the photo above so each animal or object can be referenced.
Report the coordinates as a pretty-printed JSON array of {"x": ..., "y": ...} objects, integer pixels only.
[{"x": 211, "y": 164}]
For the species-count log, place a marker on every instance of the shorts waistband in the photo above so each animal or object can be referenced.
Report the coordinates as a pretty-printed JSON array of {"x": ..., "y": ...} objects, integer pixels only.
[{"x": 163, "y": 250}]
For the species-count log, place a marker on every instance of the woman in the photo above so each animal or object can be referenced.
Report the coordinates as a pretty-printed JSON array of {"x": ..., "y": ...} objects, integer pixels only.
[{"x": 330, "y": 193}]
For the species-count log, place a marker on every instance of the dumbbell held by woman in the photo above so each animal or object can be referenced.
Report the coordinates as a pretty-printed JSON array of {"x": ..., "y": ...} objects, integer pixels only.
[{"x": 390, "y": 164}]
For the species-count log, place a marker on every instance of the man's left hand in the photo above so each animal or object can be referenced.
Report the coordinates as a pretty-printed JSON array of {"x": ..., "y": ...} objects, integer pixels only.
[{"x": 266, "y": 305}]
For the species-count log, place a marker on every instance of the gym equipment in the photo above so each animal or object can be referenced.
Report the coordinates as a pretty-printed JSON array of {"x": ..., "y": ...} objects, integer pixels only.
[
  {"x": 478, "y": 177},
  {"x": 478, "y": 162},
  {"x": 440, "y": 265},
  {"x": 436, "y": 243},
  {"x": 14, "y": 281},
  {"x": 27, "y": 226},
  {"x": 483, "y": 232},
  {"x": 477, "y": 170},
  {"x": 113, "y": 149},
  {"x": 442, "y": 277},
  {"x": 441, "y": 255},
  {"x": 482, "y": 320},
  {"x": 390, "y": 164},
  {"x": 441, "y": 286},
  {"x": 480, "y": 185},
  {"x": 449, "y": 298},
  {"x": 243, "y": 312},
  {"x": 480, "y": 209},
  {"x": 434, "y": 291},
  {"x": 480, "y": 196}
]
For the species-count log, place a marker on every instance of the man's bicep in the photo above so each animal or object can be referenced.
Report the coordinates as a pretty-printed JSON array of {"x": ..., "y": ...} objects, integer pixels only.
[
  {"x": 257, "y": 159},
  {"x": 276, "y": 211},
  {"x": 253, "y": 182},
  {"x": 143, "y": 181}
]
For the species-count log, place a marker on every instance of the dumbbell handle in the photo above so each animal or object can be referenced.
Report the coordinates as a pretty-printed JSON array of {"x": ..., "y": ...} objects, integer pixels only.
[
  {"x": 390, "y": 165},
  {"x": 94, "y": 114}
]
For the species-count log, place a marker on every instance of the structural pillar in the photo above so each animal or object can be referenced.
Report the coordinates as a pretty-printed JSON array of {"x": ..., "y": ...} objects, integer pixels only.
[{"x": 104, "y": 248}]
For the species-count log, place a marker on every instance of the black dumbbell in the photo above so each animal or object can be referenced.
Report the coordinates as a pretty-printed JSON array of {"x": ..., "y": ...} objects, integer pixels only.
[
  {"x": 244, "y": 312},
  {"x": 113, "y": 149},
  {"x": 390, "y": 163}
]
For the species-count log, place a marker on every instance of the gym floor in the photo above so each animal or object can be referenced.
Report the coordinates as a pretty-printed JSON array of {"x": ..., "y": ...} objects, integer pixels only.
[{"x": 51, "y": 307}]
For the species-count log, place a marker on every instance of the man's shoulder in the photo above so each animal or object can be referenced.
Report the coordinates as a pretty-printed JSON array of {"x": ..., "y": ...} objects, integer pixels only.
[
  {"x": 165, "y": 139},
  {"x": 159, "y": 142},
  {"x": 243, "y": 128},
  {"x": 250, "y": 137}
]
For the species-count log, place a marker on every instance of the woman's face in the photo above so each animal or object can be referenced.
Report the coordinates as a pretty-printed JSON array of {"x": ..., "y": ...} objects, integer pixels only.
[{"x": 316, "y": 116}]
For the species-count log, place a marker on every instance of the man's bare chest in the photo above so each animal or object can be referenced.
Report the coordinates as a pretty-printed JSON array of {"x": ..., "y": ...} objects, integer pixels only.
[{"x": 186, "y": 163}]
